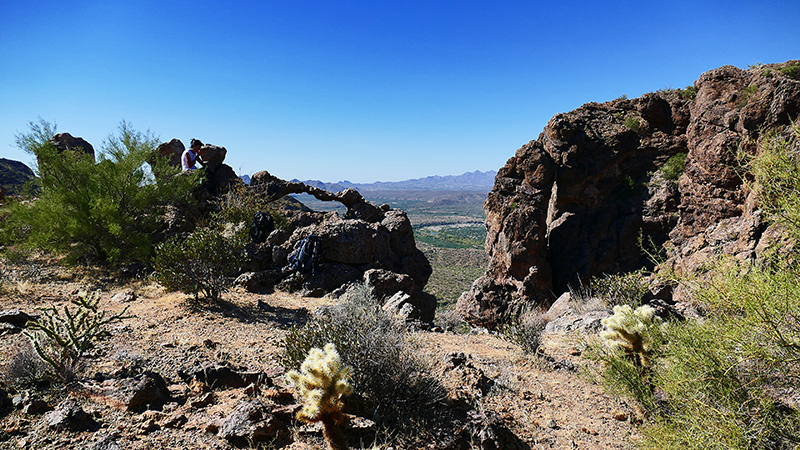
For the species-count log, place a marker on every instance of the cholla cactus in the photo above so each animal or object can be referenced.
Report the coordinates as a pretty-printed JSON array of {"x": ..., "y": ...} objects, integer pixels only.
[
  {"x": 321, "y": 384},
  {"x": 626, "y": 329}
]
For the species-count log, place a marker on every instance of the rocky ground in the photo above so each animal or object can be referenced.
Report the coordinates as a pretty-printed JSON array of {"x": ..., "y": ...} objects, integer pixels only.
[{"x": 544, "y": 402}]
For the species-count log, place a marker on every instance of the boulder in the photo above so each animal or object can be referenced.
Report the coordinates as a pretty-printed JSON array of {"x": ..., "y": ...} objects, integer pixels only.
[
  {"x": 222, "y": 376},
  {"x": 13, "y": 176},
  {"x": 212, "y": 156},
  {"x": 171, "y": 150},
  {"x": 146, "y": 391},
  {"x": 65, "y": 141},
  {"x": 369, "y": 243},
  {"x": 249, "y": 422},
  {"x": 68, "y": 415}
]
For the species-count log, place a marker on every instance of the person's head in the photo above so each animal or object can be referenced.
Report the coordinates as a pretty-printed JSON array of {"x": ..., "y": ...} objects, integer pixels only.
[{"x": 196, "y": 144}]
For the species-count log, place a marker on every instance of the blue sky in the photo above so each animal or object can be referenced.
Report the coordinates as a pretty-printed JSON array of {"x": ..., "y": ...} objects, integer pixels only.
[{"x": 359, "y": 90}]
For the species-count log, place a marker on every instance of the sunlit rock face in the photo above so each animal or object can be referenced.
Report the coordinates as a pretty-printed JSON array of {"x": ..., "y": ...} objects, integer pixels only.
[{"x": 575, "y": 203}]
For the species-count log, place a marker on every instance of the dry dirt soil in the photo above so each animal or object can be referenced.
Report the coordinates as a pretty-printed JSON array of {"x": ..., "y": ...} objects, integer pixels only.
[{"x": 545, "y": 401}]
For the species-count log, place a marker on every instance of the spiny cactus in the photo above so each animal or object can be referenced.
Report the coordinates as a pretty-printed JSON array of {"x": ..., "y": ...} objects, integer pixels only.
[
  {"x": 61, "y": 339},
  {"x": 627, "y": 330},
  {"x": 321, "y": 384}
]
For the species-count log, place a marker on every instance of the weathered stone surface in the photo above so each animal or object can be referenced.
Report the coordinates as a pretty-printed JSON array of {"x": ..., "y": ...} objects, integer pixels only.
[
  {"x": 30, "y": 403},
  {"x": 68, "y": 415},
  {"x": 147, "y": 391},
  {"x": 572, "y": 204},
  {"x": 368, "y": 240},
  {"x": 65, "y": 141},
  {"x": 220, "y": 376},
  {"x": 171, "y": 150},
  {"x": 212, "y": 156},
  {"x": 383, "y": 284},
  {"x": 250, "y": 421}
]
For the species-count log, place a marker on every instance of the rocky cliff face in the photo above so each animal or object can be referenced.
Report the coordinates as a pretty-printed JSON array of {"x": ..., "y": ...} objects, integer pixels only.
[{"x": 574, "y": 203}]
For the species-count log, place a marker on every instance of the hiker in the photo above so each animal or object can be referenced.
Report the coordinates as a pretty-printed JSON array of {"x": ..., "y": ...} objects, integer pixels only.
[{"x": 190, "y": 156}]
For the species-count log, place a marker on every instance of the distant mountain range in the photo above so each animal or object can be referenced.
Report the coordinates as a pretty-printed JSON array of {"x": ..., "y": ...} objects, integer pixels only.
[{"x": 469, "y": 181}]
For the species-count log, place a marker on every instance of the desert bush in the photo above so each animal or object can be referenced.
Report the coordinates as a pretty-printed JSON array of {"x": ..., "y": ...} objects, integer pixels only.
[
  {"x": 100, "y": 212},
  {"x": 526, "y": 330},
  {"x": 689, "y": 93},
  {"x": 776, "y": 172},
  {"x": 632, "y": 123},
  {"x": 24, "y": 368},
  {"x": 791, "y": 71},
  {"x": 621, "y": 289},
  {"x": 200, "y": 264},
  {"x": 236, "y": 205},
  {"x": 397, "y": 388},
  {"x": 449, "y": 320},
  {"x": 673, "y": 168},
  {"x": 61, "y": 338},
  {"x": 728, "y": 378}
]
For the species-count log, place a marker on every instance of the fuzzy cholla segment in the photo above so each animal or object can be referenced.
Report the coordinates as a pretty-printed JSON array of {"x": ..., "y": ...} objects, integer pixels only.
[
  {"x": 626, "y": 329},
  {"x": 321, "y": 383}
]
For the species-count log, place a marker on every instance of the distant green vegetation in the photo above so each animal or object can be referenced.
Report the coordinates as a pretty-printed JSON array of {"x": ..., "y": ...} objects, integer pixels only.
[
  {"x": 454, "y": 270},
  {"x": 452, "y": 236}
]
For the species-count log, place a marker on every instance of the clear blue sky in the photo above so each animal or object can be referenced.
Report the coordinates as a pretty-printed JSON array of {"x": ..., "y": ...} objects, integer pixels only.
[{"x": 359, "y": 90}]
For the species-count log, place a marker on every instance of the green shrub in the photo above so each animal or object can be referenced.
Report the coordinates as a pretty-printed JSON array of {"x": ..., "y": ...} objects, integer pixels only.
[
  {"x": 628, "y": 188},
  {"x": 792, "y": 71},
  {"x": 632, "y": 123},
  {"x": 673, "y": 168},
  {"x": 526, "y": 330},
  {"x": 104, "y": 212},
  {"x": 689, "y": 93},
  {"x": 776, "y": 171},
  {"x": 237, "y": 205},
  {"x": 746, "y": 94},
  {"x": 200, "y": 264},
  {"x": 397, "y": 388},
  {"x": 723, "y": 377},
  {"x": 621, "y": 289},
  {"x": 62, "y": 338}
]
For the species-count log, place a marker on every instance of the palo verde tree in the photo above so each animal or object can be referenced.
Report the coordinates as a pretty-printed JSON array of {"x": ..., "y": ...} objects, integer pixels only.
[{"x": 101, "y": 211}]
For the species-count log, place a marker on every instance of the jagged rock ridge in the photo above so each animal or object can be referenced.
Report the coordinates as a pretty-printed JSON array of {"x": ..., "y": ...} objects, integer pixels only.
[{"x": 573, "y": 203}]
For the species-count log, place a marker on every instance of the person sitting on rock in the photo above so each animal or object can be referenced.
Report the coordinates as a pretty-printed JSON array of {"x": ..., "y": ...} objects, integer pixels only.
[{"x": 189, "y": 156}]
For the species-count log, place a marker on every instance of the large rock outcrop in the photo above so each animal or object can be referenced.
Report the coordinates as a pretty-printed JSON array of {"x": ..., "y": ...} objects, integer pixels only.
[
  {"x": 575, "y": 203},
  {"x": 370, "y": 244},
  {"x": 220, "y": 176}
]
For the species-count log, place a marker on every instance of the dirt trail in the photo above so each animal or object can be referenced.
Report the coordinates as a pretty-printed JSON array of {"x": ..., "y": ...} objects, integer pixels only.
[{"x": 545, "y": 402}]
